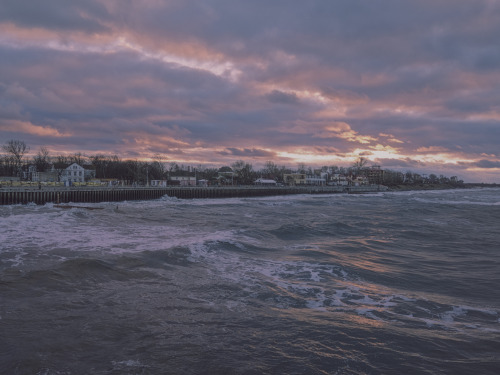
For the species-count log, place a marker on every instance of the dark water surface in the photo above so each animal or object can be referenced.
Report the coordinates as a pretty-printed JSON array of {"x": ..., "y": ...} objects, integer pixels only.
[{"x": 386, "y": 283}]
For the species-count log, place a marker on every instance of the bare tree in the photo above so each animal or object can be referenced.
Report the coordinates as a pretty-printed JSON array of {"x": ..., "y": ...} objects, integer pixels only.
[
  {"x": 301, "y": 168},
  {"x": 244, "y": 172},
  {"x": 159, "y": 165},
  {"x": 433, "y": 178},
  {"x": 360, "y": 163},
  {"x": 77, "y": 158},
  {"x": 16, "y": 150},
  {"x": 42, "y": 160},
  {"x": 62, "y": 159},
  {"x": 100, "y": 163},
  {"x": 210, "y": 174},
  {"x": 271, "y": 170}
]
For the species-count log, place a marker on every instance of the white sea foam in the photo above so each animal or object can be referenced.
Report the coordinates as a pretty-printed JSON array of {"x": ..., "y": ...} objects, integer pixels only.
[
  {"x": 450, "y": 315},
  {"x": 51, "y": 229},
  {"x": 355, "y": 295},
  {"x": 170, "y": 223}
]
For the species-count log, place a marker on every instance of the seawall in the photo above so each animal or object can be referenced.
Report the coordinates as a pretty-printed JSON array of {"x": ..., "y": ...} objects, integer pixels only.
[{"x": 94, "y": 195}]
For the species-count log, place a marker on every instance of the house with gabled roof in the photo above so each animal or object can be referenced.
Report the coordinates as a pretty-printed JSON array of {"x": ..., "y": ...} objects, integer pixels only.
[{"x": 75, "y": 173}]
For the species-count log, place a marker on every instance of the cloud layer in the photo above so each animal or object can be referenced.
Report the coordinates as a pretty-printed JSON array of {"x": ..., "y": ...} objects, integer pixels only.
[{"x": 409, "y": 85}]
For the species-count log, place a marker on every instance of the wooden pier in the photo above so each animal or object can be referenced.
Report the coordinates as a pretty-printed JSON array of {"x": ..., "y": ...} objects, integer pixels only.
[{"x": 21, "y": 195}]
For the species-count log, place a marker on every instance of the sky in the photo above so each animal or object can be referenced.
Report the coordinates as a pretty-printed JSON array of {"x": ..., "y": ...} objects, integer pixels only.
[{"x": 408, "y": 85}]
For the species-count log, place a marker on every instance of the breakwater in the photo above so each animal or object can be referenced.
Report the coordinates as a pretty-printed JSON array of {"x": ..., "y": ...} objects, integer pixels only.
[{"x": 95, "y": 195}]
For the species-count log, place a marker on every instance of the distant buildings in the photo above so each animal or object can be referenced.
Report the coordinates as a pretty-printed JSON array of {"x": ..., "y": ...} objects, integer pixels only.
[
  {"x": 294, "y": 179},
  {"x": 67, "y": 174},
  {"x": 338, "y": 179},
  {"x": 49, "y": 176},
  {"x": 130, "y": 173},
  {"x": 225, "y": 176},
  {"x": 375, "y": 174},
  {"x": 266, "y": 182},
  {"x": 75, "y": 173},
  {"x": 316, "y": 180},
  {"x": 359, "y": 181},
  {"x": 183, "y": 180},
  {"x": 159, "y": 183}
]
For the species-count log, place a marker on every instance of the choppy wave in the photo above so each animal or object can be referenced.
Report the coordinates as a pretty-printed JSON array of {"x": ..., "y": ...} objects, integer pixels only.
[{"x": 306, "y": 284}]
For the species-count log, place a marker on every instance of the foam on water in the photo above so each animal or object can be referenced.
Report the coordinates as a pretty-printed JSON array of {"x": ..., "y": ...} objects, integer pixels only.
[
  {"x": 322, "y": 287},
  {"x": 257, "y": 266},
  {"x": 332, "y": 289},
  {"x": 47, "y": 229}
]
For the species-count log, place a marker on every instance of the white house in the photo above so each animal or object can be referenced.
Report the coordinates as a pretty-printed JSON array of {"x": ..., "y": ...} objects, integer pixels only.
[
  {"x": 73, "y": 173},
  {"x": 315, "y": 180}
]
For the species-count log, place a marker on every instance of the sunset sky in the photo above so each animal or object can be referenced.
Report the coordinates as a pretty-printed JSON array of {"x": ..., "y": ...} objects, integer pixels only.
[{"x": 409, "y": 85}]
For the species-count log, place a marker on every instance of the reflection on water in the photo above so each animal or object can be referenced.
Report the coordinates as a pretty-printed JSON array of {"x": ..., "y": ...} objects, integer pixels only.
[{"x": 386, "y": 283}]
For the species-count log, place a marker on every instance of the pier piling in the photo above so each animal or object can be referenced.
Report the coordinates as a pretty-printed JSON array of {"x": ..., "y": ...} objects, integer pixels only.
[{"x": 10, "y": 196}]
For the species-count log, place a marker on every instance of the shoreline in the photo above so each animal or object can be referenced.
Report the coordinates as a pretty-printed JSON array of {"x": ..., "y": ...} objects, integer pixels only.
[
  {"x": 58, "y": 195},
  {"x": 85, "y": 194}
]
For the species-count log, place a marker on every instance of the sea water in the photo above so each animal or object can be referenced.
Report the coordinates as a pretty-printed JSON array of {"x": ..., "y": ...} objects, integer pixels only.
[{"x": 385, "y": 283}]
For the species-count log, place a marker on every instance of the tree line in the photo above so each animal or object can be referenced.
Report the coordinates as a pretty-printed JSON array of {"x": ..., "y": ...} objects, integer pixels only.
[{"x": 14, "y": 162}]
